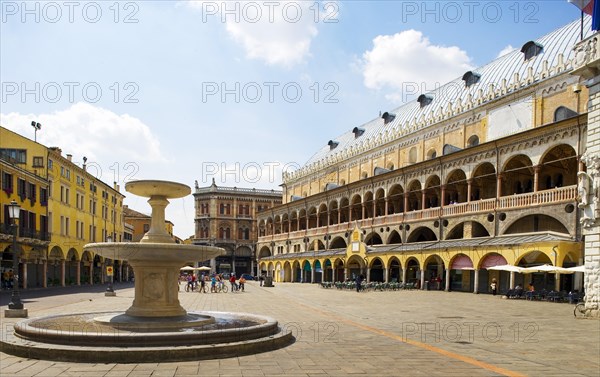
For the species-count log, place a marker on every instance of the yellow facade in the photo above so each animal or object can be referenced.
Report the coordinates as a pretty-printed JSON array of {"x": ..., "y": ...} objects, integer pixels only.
[
  {"x": 66, "y": 208},
  {"x": 23, "y": 164}
]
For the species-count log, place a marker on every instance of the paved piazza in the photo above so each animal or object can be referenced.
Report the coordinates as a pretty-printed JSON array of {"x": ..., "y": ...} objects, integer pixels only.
[{"x": 341, "y": 333}]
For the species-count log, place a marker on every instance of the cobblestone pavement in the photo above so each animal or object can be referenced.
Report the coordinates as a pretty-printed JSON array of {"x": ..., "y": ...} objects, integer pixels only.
[{"x": 342, "y": 333}]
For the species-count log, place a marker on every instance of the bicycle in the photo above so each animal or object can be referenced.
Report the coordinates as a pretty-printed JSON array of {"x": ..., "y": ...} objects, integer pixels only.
[
  {"x": 579, "y": 310},
  {"x": 220, "y": 288},
  {"x": 194, "y": 286}
]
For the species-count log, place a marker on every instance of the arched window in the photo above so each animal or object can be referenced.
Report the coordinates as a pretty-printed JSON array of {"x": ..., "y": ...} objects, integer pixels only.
[
  {"x": 473, "y": 141},
  {"x": 431, "y": 154}
]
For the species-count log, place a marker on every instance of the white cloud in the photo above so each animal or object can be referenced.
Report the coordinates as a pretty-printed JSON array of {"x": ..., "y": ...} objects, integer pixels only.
[
  {"x": 102, "y": 136},
  {"x": 278, "y": 33},
  {"x": 407, "y": 60},
  {"x": 505, "y": 51}
]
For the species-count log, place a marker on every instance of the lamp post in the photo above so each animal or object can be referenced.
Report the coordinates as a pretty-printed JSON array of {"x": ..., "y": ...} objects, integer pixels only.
[
  {"x": 15, "y": 306},
  {"x": 110, "y": 291},
  {"x": 37, "y": 127}
]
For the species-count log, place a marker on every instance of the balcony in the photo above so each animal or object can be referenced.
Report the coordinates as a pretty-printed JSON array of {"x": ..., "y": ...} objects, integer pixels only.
[
  {"x": 541, "y": 198},
  {"x": 25, "y": 234}
]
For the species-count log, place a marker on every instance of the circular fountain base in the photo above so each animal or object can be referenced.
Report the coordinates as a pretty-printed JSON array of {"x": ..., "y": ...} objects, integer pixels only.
[{"x": 115, "y": 338}]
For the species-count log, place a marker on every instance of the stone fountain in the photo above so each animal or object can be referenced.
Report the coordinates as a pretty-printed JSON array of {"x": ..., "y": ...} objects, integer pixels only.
[{"x": 156, "y": 326}]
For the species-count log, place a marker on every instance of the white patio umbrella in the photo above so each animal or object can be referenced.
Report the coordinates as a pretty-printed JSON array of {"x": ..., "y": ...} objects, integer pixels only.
[
  {"x": 546, "y": 268},
  {"x": 187, "y": 268},
  {"x": 506, "y": 267},
  {"x": 203, "y": 268}
]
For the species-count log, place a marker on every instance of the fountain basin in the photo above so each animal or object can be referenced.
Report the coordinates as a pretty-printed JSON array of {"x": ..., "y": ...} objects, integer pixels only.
[{"x": 84, "y": 338}]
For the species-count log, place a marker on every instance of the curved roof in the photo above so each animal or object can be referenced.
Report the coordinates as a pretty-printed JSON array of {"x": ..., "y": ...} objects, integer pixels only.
[{"x": 454, "y": 97}]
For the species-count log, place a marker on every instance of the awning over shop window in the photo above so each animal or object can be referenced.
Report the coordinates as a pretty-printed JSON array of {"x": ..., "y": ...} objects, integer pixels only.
[
  {"x": 493, "y": 260},
  {"x": 462, "y": 262}
]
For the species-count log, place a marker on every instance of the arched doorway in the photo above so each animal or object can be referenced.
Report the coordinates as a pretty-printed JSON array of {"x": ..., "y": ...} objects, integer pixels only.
[
  {"x": 434, "y": 273},
  {"x": 486, "y": 277},
  {"x": 412, "y": 272},
  {"x": 461, "y": 274},
  {"x": 376, "y": 270}
]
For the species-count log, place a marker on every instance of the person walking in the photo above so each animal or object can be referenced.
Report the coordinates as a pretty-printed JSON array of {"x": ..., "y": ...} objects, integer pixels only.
[
  {"x": 242, "y": 283},
  {"x": 358, "y": 280},
  {"x": 494, "y": 287},
  {"x": 234, "y": 286}
]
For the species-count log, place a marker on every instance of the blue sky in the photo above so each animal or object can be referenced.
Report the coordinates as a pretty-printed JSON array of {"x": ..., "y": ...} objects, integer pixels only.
[{"x": 169, "y": 90}]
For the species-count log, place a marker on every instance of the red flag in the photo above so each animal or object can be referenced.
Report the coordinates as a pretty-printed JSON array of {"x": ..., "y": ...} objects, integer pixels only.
[{"x": 586, "y": 6}]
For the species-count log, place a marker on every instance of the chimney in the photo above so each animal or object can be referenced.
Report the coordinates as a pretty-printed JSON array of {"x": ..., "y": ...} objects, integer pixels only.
[
  {"x": 69, "y": 157},
  {"x": 116, "y": 187}
]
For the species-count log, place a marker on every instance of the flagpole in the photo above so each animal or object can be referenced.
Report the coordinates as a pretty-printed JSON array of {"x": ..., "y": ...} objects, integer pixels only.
[{"x": 581, "y": 38}]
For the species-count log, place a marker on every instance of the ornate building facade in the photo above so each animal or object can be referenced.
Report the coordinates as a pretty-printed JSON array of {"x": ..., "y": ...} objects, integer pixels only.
[
  {"x": 481, "y": 172},
  {"x": 226, "y": 217}
]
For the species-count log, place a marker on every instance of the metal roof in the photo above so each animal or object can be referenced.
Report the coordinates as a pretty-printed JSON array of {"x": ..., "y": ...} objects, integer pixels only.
[{"x": 557, "y": 48}]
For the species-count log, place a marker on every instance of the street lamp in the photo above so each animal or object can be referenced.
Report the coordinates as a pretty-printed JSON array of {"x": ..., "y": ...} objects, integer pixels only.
[
  {"x": 37, "y": 127},
  {"x": 110, "y": 291},
  {"x": 15, "y": 300}
]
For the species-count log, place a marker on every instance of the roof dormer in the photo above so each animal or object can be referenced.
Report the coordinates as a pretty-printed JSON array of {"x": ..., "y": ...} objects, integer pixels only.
[
  {"x": 333, "y": 144},
  {"x": 424, "y": 100},
  {"x": 531, "y": 49},
  {"x": 388, "y": 117},
  {"x": 471, "y": 78},
  {"x": 358, "y": 131}
]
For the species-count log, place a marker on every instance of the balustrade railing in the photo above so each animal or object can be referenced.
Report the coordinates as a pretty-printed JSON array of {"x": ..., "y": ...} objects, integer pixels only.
[{"x": 545, "y": 197}]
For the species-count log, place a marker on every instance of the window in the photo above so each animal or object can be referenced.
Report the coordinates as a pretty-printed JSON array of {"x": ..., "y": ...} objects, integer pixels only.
[
  {"x": 31, "y": 192},
  {"x": 412, "y": 155},
  {"x": 21, "y": 188},
  {"x": 7, "y": 183},
  {"x": 431, "y": 154},
  {"x": 15, "y": 156},
  {"x": 146, "y": 228},
  {"x": 50, "y": 164},
  {"x": 473, "y": 141},
  {"x": 38, "y": 162},
  {"x": 43, "y": 196}
]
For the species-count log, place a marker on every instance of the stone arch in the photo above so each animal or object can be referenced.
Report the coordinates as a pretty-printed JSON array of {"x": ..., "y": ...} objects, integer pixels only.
[
  {"x": 264, "y": 252},
  {"x": 394, "y": 238},
  {"x": 333, "y": 212},
  {"x": 356, "y": 207},
  {"x": 373, "y": 238},
  {"x": 414, "y": 195},
  {"x": 413, "y": 268},
  {"x": 458, "y": 231},
  {"x": 322, "y": 215},
  {"x": 484, "y": 182},
  {"x": 456, "y": 187},
  {"x": 395, "y": 199},
  {"x": 312, "y": 217},
  {"x": 344, "y": 210},
  {"x": 433, "y": 192},
  {"x": 536, "y": 223},
  {"x": 338, "y": 243},
  {"x": 422, "y": 234},
  {"x": 368, "y": 204},
  {"x": 380, "y": 202},
  {"x": 394, "y": 270},
  {"x": 558, "y": 167},
  {"x": 517, "y": 175},
  {"x": 376, "y": 269}
]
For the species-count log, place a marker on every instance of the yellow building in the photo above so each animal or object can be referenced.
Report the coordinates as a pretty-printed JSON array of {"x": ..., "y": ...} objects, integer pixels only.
[
  {"x": 140, "y": 223},
  {"x": 82, "y": 210},
  {"x": 64, "y": 207},
  {"x": 23, "y": 178},
  {"x": 481, "y": 172}
]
